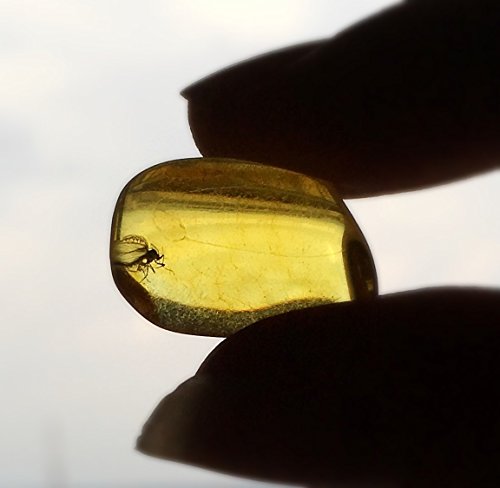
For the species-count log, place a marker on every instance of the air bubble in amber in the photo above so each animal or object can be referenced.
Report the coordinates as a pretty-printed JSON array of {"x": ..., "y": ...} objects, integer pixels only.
[{"x": 208, "y": 246}]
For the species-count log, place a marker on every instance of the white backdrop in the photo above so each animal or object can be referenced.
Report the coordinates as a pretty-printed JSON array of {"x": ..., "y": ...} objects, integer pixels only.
[{"x": 89, "y": 97}]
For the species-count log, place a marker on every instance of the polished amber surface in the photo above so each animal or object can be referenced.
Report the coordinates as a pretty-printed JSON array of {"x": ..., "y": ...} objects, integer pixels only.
[{"x": 208, "y": 246}]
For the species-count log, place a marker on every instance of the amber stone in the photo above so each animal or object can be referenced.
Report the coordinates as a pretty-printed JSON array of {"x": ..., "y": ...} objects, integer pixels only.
[{"x": 208, "y": 246}]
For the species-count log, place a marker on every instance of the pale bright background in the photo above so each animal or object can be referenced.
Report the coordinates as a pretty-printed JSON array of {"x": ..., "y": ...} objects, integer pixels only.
[{"x": 88, "y": 98}]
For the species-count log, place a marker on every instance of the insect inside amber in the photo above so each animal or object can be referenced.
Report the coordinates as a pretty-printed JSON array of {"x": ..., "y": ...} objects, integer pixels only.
[
  {"x": 135, "y": 254},
  {"x": 208, "y": 246}
]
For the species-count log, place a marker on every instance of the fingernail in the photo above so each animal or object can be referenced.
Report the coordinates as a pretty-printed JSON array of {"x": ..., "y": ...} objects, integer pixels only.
[
  {"x": 173, "y": 430},
  {"x": 250, "y": 73},
  {"x": 193, "y": 88}
]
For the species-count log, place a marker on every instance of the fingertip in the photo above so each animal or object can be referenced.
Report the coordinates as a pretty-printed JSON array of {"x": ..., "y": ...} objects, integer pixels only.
[
  {"x": 401, "y": 389},
  {"x": 383, "y": 107}
]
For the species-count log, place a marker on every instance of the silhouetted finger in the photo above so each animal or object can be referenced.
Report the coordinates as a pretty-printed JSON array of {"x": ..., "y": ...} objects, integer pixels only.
[
  {"x": 400, "y": 389},
  {"x": 406, "y": 99}
]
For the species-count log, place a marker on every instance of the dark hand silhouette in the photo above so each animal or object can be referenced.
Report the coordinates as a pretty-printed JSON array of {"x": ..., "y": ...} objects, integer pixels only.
[{"x": 398, "y": 391}]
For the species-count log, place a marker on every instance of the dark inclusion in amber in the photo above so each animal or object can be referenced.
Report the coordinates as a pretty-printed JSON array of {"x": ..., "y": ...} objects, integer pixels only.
[{"x": 208, "y": 246}]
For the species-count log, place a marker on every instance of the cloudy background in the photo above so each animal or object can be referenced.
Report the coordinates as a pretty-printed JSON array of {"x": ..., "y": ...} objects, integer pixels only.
[{"x": 88, "y": 98}]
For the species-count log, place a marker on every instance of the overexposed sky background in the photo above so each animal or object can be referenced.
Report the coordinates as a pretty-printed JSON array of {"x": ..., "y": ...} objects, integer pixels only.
[{"x": 89, "y": 97}]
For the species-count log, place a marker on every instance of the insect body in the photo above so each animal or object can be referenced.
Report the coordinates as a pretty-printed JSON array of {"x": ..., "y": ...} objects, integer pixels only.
[{"x": 136, "y": 254}]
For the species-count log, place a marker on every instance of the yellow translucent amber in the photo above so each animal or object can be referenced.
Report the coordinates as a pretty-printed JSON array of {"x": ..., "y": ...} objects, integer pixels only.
[{"x": 208, "y": 246}]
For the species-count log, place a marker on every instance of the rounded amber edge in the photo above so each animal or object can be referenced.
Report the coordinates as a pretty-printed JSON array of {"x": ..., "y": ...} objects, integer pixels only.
[{"x": 367, "y": 271}]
